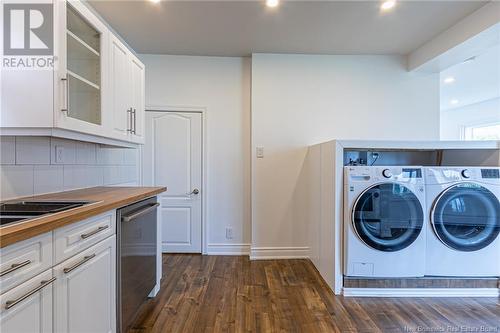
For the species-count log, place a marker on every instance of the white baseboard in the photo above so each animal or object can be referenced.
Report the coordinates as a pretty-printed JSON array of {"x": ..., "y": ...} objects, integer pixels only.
[
  {"x": 421, "y": 292},
  {"x": 265, "y": 253},
  {"x": 155, "y": 291},
  {"x": 228, "y": 249}
]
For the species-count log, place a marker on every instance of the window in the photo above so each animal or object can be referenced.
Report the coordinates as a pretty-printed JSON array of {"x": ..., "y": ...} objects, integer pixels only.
[{"x": 482, "y": 132}]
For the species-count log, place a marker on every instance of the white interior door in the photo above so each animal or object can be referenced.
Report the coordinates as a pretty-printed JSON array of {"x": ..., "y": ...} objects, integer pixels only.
[{"x": 173, "y": 158}]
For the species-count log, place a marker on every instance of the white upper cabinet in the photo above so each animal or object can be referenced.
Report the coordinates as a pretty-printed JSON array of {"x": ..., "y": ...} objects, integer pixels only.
[
  {"x": 95, "y": 88},
  {"x": 80, "y": 76},
  {"x": 127, "y": 92},
  {"x": 120, "y": 99},
  {"x": 138, "y": 99}
]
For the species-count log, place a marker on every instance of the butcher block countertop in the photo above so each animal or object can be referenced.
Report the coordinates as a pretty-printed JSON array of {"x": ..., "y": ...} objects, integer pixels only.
[{"x": 104, "y": 199}]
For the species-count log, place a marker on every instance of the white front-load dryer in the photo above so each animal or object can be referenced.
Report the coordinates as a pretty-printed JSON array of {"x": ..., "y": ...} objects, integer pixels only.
[
  {"x": 384, "y": 219},
  {"x": 464, "y": 221}
]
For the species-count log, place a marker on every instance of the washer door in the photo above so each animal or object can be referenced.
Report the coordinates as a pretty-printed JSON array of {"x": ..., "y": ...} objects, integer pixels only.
[
  {"x": 466, "y": 217},
  {"x": 388, "y": 217}
]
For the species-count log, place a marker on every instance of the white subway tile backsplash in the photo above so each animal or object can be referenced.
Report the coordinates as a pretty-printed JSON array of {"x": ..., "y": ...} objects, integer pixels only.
[
  {"x": 129, "y": 174},
  {"x": 29, "y": 165},
  {"x": 94, "y": 175},
  {"x": 7, "y": 150},
  {"x": 110, "y": 156},
  {"x": 48, "y": 179},
  {"x": 16, "y": 181},
  {"x": 32, "y": 150},
  {"x": 69, "y": 177},
  {"x": 112, "y": 175},
  {"x": 124, "y": 184},
  {"x": 85, "y": 153},
  {"x": 68, "y": 151},
  {"x": 80, "y": 176},
  {"x": 130, "y": 156}
]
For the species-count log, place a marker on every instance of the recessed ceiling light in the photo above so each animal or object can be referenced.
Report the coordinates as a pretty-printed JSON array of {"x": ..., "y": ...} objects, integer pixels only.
[
  {"x": 388, "y": 4},
  {"x": 155, "y": 1},
  {"x": 454, "y": 102},
  {"x": 449, "y": 79},
  {"x": 272, "y": 3}
]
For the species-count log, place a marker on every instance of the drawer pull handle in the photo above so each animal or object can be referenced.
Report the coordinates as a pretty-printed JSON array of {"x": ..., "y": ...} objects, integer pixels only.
[
  {"x": 14, "y": 267},
  {"x": 78, "y": 264},
  {"x": 87, "y": 235},
  {"x": 42, "y": 285}
]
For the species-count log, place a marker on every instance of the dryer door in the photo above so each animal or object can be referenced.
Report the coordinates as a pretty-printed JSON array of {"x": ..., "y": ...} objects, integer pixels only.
[
  {"x": 388, "y": 217},
  {"x": 466, "y": 217}
]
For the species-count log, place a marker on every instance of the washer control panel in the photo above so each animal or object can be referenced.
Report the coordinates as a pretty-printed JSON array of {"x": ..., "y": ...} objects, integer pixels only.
[
  {"x": 490, "y": 173},
  {"x": 404, "y": 174}
]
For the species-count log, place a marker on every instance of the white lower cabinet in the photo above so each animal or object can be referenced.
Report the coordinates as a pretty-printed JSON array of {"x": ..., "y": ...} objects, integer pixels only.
[
  {"x": 78, "y": 295},
  {"x": 29, "y": 306},
  {"x": 85, "y": 290}
]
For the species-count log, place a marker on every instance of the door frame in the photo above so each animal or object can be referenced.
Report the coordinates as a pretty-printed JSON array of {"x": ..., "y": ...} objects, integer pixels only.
[{"x": 204, "y": 160}]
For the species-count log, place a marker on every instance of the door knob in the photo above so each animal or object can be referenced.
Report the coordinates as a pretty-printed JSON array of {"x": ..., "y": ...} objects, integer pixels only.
[{"x": 195, "y": 191}]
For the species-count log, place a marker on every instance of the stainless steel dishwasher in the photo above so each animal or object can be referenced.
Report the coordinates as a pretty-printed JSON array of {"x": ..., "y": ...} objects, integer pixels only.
[{"x": 136, "y": 258}]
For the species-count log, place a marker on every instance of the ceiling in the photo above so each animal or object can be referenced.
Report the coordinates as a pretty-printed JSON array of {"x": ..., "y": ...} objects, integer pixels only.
[
  {"x": 475, "y": 81},
  {"x": 240, "y": 28}
]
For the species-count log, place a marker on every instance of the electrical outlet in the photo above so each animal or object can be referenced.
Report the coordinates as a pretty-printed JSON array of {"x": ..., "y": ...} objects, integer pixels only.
[
  {"x": 59, "y": 154},
  {"x": 229, "y": 233},
  {"x": 260, "y": 152}
]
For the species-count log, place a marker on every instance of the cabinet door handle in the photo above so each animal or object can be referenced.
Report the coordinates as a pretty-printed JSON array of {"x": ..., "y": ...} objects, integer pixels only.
[
  {"x": 87, "y": 235},
  {"x": 78, "y": 264},
  {"x": 43, "y": 284},
  {"x": 129, "y": 120},
  {"x": 135, "y": 121},
  {"x": 14, "y": 267},
  {"x": 66, "y": 95}
]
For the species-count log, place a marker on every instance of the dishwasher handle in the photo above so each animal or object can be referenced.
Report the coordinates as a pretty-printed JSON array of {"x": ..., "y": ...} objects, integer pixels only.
[{"x": 141, "y": 212}]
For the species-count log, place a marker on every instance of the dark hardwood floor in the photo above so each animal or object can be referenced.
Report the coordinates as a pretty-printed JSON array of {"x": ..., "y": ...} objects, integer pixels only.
[{"x": 234, "y": 294}]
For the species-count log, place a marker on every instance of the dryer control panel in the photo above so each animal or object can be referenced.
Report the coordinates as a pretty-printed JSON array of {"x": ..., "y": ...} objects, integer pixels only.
[{"x": 440, "y": 175}]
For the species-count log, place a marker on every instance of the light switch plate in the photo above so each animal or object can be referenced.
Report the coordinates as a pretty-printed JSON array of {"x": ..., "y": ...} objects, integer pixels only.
[{"x": 260, "y": 152}]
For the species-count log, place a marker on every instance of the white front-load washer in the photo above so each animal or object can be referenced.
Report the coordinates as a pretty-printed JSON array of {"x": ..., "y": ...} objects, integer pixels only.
[
  {"x": 384, "y": 219},
  {"x": 464, "y": 221}
]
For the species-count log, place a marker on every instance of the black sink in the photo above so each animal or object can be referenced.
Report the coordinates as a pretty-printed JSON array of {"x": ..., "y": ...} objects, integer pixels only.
[
  {"x": 7, "y": 220},
  {"x": 17, "y": 211},
  {"x": 38, "y": 207}
]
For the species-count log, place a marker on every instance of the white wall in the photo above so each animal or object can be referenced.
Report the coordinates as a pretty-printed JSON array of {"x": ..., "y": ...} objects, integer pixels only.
[
  {"x": 222, "y": 86},
  {"x": 454, "y": 120},
  {"x": 299, "y": 100},
  {"x": 28, "y": 166}
]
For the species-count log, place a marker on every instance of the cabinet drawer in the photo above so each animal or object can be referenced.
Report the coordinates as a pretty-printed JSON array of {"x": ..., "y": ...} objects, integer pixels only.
[
  {"x": 22, "y": 261},
  {"x": 79, "y": 236},
  {"x": 28, "y": 307}
]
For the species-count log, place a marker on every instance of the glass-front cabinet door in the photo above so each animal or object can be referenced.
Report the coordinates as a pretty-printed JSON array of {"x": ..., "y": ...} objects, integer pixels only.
[{"x": 82, "y": 53}]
